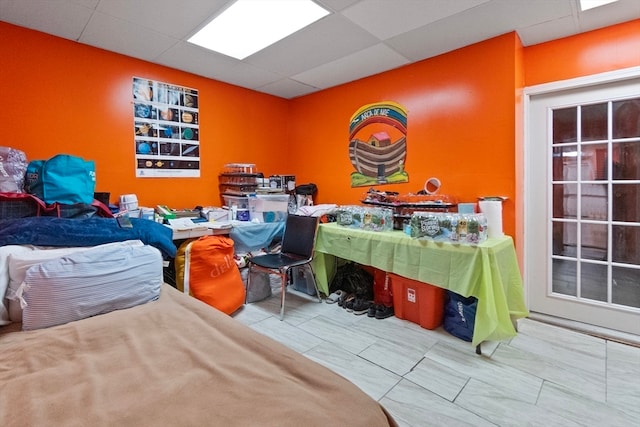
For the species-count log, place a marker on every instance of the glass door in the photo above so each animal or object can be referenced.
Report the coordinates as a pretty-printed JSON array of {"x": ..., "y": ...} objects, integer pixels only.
[{"x": 583, "y": 205}]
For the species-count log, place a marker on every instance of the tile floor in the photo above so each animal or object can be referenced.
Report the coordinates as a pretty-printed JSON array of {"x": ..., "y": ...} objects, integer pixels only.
[{"x": 545, "y": 376}]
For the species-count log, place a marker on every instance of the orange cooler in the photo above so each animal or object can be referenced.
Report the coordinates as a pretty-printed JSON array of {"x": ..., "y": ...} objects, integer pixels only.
[{"x": 417, "y": 302}]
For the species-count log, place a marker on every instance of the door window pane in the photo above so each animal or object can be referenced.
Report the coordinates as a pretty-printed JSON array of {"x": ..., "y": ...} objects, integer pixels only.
[
  {"x": 565, "y": 237},
  {"x": 626, "y": 286},
  {"x": 565, "y": 200},
  {"x": 593, "y": 241},
  {"x": 626, "y": 160},
  {"x": 626, "y": 244},
  {"x": 594, "y": 202},
  {"x": 626, "y": 202},
  {"x": 626, "y": 118},
  {"x": 594, "y": 162},
  {"x": 565, "y": 161},
  {"x": 565, "y": 125},
  {"x": 564, "y": 277},
  {"x": 593, "y": 281},
  {"x": 594, "y": 122}
]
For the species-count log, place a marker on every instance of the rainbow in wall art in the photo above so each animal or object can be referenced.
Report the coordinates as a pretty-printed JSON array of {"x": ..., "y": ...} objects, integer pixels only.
[{"x": 378, "y": 144}]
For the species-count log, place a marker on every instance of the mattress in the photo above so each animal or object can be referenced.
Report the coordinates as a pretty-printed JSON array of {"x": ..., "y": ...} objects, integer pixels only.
[{"x": 173, "y": 361}]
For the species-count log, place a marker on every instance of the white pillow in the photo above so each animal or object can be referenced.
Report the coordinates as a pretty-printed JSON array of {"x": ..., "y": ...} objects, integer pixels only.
[
  {"x": 19, "y": 263},
  {"x": 5, "y": 251},
  {"x": 89, "y": 283}
]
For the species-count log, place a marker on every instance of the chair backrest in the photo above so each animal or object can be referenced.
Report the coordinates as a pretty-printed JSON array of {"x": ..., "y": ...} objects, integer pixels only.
[{"x": 300, "y": 235}]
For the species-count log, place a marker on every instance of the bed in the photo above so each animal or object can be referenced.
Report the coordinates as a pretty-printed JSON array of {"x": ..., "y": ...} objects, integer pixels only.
[{"x": 171, "y": 360}]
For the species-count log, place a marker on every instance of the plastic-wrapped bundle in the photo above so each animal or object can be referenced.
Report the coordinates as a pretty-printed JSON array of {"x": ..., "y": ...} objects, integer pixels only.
[
  {"x": 452, "y": 227},
  {"x": 368, "y": 218},
  {"x": 13, "y": 166},
  {"x": 425, "y": 225}
]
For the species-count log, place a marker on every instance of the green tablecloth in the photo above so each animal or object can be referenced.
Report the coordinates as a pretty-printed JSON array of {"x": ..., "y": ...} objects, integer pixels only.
[{"x": 488, "y": 271}]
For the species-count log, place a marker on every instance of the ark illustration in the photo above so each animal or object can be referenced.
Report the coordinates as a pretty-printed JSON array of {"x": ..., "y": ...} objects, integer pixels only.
[{"x": 373, "y": 152}]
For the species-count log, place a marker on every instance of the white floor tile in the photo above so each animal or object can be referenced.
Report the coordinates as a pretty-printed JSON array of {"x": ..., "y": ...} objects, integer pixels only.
[
  {"x": 413, "y": 406},
  {"x": 575, "y": 407},
  {"x": 371, "y": 378},
  {"x": 623, "y": 378},
  {"x": 516, "y": 382},
  {"x": 503, "y": 408}
]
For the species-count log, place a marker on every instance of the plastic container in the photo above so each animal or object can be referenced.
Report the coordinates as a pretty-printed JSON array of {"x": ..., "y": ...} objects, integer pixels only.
[
  {"x": 239, "y": 168},
  {"x": 417, "y": 302},
  {"x": 239, "y": 201},
  {"x": 303, "y": 280},
  {"x": 268, "y": 207}
]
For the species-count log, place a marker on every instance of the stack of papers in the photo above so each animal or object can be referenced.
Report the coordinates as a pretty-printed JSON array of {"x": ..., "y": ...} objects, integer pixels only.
[{"x": 189, "y": 224}]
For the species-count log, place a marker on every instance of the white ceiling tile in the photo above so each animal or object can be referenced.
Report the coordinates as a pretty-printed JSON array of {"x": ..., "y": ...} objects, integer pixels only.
[
  {"x": 326, "y": 40},
  {"x": 116, "y": 35},
  {"x": 196, "y": 60},
  {"x": 379, "y": 57},
  {"x": 178, "y": 19},
  {"x": 287, "y": 88},
  {"x": 435, "y": 39},
  {"x": 92, "y": 4},
  {"x": 336, "y": 5},
  {"x": 189, "y": 57},
  {"x": 385, "y": 19},
  {"x": 556, "y": 28},
  {"x": 61, "y": 18}
]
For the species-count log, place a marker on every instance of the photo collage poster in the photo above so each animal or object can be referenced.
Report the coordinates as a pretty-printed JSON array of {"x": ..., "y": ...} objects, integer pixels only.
[{"x": 167, "y": 137}]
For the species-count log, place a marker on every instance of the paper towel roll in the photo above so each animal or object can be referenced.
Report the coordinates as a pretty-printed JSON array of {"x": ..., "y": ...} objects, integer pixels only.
[{"x": 492, "y": 210}]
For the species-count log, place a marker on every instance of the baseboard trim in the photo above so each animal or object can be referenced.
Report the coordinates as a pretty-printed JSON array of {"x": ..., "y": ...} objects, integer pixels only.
[{"x": 596, "y": 331}]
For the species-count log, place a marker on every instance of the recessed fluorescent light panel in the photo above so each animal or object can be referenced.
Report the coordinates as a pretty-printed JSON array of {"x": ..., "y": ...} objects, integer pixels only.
[
  {"x": 248, "y": 26},
  {"x": 590, "y": 4}
]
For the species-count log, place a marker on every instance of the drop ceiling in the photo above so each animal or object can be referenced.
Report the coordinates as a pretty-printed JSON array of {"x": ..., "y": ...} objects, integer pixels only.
[{"x": 359, "y": 38}]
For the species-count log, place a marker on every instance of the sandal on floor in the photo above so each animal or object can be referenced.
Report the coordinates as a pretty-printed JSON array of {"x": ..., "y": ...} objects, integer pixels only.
[{"x": 334, "y": 297}]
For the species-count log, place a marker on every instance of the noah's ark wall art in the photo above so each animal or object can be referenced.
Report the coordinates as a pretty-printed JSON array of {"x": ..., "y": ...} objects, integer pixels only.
[{"x": 378, "y": 144}]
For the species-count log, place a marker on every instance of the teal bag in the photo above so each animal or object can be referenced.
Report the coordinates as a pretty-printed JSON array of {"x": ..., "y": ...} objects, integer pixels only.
[{"x": 63, "y": 178}]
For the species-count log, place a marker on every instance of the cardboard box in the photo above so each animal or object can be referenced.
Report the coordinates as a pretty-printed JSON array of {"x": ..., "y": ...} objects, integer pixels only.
[{"x": 417, "y": 302}]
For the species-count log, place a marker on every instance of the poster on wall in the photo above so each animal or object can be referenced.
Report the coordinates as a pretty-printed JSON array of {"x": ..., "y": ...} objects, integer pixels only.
[
  {"x": 167, "y": 137},
  {"x": 378, "y": 144}
]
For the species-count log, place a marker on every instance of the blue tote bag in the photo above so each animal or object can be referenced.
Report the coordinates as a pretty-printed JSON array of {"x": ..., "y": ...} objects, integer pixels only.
[{"x": 63, "y": 178}]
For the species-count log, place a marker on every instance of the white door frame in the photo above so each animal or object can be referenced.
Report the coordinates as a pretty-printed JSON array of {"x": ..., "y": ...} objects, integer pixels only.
[{"x": 524, "y": 226}]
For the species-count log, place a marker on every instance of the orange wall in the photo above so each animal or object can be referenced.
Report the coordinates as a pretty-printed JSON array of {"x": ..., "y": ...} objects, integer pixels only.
[
  {"x": 65, "y": 97},
  {"x": 593, "y": 52},
  {"x": 460, "y": 125}
]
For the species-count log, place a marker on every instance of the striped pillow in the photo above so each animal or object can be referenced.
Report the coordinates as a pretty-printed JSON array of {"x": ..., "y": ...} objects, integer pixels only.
[
  {"x": 20, "y": 262},
  {"x": 89, "y": 283}
]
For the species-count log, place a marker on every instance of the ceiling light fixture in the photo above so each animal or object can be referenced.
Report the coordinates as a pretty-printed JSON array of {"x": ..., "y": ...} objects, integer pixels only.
[
  {"x": 590, "y": 4},
  {"x": 248, "y": 26}
]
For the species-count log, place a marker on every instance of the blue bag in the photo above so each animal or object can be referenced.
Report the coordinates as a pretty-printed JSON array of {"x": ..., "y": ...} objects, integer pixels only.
[
  {"x": 63, "y": 178},
  {"x": 460, "y": 315}
]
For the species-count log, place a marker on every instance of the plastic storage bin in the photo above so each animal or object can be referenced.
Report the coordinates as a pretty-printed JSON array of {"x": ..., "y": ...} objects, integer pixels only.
[
  {"x": 417, "y": 302},
  {"x": 238, "y": 201},
  {"x": 303, "y": 280},
  {"x": 268, "y": 207}
]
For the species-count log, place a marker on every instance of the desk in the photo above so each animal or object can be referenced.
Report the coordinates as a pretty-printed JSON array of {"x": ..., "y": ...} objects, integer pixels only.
[
  {"x": 488, "y": 271},
  {"x": 204, "y": 230}
]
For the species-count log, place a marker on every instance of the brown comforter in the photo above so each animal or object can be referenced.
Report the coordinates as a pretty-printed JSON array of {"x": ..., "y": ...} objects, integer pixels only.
[{"x": 171, "y": 362}]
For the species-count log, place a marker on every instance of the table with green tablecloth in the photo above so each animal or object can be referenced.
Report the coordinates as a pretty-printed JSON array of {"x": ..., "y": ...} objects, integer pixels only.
[{"x": 488, "y": 271}]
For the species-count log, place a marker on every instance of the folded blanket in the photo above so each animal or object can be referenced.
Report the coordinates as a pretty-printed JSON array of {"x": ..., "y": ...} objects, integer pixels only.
[{"x": 52, "y": 231}]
